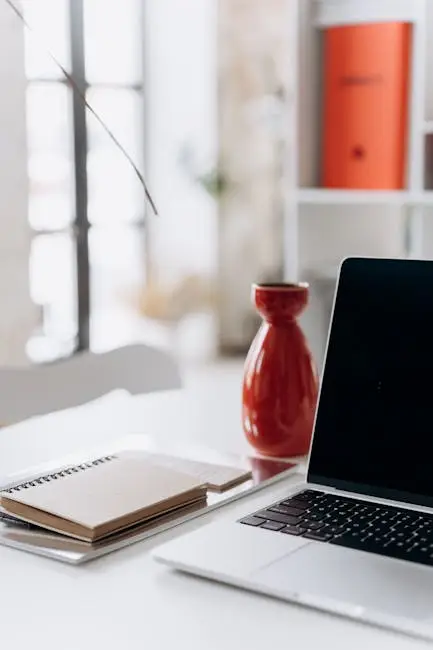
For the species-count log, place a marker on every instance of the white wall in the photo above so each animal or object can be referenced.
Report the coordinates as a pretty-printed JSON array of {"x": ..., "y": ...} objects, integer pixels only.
[{"x": 17, "y": 319}]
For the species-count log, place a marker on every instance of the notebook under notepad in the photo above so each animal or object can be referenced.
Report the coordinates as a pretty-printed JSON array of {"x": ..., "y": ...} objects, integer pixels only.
[{"x": 100, "y": 497}]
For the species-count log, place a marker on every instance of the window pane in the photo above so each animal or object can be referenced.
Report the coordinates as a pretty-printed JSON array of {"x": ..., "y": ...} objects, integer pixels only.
[
  {"x": 49, "y": 26},
  {"x": 50, "y": 164},
  {"x": 49, "y": 118},
  {"x": 115, "y": 193},
  {"x": 50, "y": 211},
  {"x": 117, "y": 271},
  {"x": 53, "y": 282},
  {"x": 122, "y": 112},
  {"x": 112, "y": 40}
]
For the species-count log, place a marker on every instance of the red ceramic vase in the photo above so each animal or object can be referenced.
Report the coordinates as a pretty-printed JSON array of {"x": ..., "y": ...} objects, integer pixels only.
[{"x": 280, "y": 382}]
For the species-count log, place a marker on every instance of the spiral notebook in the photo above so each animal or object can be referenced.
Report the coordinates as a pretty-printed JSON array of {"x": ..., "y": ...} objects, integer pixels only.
[{"x": 98, "y": 498}]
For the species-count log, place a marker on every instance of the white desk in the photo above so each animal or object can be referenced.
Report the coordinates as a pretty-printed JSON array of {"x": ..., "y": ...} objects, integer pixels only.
[{"x": 125, "y": 600}]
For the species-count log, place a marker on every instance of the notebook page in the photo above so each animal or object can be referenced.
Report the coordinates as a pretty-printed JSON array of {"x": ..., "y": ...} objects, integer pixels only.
[{"x": 215, "y": 477}]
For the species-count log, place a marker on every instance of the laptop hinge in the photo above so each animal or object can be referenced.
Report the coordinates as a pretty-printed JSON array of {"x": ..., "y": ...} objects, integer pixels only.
[{"x": 370, "y": 499}]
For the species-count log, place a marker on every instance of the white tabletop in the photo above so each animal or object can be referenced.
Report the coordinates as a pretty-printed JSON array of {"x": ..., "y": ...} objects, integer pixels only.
[{"x": 126, "y": 600}]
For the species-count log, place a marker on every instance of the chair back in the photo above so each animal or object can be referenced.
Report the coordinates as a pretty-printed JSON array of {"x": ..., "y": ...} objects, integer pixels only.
[{"x": 40, "y": 389}]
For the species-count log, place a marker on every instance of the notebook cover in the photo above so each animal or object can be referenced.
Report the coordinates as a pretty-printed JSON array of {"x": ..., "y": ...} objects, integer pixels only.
[
  {"x": 366, "y": 81},
  {"x": 107, "y": 497}
]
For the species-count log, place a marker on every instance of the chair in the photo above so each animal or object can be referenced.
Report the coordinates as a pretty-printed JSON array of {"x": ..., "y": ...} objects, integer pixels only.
[{"x": 36, "y": 390}]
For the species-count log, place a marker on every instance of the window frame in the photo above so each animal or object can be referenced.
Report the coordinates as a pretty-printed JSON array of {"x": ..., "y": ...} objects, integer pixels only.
[{"x": 80, "y": 226}]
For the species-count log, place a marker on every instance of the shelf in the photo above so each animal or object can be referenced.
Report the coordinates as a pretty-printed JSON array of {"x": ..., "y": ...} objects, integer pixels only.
[
  {"x": 323, "y": 196},
  {"x": 349, "y": 12}
]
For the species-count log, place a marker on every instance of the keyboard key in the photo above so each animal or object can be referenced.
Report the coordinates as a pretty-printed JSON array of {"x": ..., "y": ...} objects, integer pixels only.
[
  {"x": 337, "y": 521},
  {"x": 379, "y": 529},
  {"x": 315, "y": 525},
  {"x": 400, "y": 535},
  {"x": 276, "y": 516},
  {"x": 300, "y": 497},
  {"x": 285, "y": 510},
  {"x": 428, "y": 532},
  {"x": 272, "y": 525},
  {"x": 317, "y": 536},
  {"x": 252, "y": 521},
  {"x": 309, "y": 495},
  {"x": 293, "y": 530},
  {"x": 295, "y": 503},
  {"x": 334, "y": 530}
]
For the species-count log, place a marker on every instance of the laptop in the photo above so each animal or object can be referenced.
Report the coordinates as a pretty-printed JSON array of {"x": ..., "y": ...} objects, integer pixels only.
[{"x": 356, "y": 538}]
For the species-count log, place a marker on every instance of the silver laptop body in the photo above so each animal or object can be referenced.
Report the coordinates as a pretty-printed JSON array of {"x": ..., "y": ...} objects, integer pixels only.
[{"x": 357, "y": 538}]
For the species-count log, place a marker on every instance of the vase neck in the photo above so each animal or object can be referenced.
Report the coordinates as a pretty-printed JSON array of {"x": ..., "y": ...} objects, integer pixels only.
[
  {"x": 280, "y": 321},
  {"x": 280, "y": 305}
]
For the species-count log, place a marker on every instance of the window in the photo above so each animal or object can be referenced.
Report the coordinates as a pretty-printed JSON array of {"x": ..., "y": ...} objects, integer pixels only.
[{"x": 86, "y": 205}]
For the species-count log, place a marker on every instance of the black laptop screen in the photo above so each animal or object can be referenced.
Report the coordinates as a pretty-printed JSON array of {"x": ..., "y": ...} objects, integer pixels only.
[{"x": 374, "y": 425}]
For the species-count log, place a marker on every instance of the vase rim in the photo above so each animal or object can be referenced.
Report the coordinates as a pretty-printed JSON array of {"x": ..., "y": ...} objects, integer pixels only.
[{"x": 282, "y": 286}]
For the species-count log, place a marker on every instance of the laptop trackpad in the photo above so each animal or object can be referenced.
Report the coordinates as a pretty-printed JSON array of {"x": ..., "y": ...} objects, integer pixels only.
[{"x": 364, "y": 580}]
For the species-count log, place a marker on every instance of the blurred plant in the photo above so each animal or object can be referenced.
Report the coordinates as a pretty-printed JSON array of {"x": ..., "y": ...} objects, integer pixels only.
[
  {"x": 171, "y": 302},
  {"x": 214, "y": 181}
]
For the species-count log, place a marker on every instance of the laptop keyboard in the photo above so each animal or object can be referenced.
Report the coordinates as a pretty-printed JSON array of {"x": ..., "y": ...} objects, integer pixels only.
[{"x": 384, "y": 530}]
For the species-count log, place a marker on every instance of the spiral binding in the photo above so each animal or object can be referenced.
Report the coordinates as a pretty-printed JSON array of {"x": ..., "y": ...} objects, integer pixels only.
[{"x": 73, "y": 469}]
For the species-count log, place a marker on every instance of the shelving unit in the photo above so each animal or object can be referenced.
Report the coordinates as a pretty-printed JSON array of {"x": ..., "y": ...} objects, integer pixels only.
[
  {"x": 310, "y": 18},
  {"x": 323, "y": 196}
]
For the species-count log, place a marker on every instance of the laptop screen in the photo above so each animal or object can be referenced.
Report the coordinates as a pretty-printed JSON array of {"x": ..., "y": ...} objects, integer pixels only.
[{"x": 374, "y": 424}]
